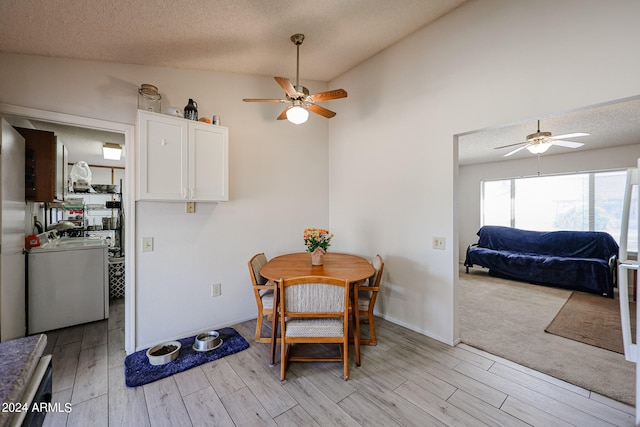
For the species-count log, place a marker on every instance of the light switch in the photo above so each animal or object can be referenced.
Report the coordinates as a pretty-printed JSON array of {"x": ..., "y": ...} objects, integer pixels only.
[{"x": 147, "y": 244}]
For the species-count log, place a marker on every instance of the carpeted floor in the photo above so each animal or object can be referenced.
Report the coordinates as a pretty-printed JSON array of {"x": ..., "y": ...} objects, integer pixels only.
[{"x": 508, "y": 319}]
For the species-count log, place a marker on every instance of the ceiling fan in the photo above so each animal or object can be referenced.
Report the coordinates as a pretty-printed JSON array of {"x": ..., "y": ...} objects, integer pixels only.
[
  {"x": 539, "y": 142},
  {"x": 300, "y": 102}
]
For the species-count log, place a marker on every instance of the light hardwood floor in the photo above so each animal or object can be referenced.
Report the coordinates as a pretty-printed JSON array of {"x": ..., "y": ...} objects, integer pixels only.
[{"x": 407, "y": 379}]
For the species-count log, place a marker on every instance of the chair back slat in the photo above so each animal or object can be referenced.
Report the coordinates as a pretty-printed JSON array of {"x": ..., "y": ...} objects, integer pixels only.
[
  {"x": 314, "y": 298},
  {"x": 256, "y": 263}
]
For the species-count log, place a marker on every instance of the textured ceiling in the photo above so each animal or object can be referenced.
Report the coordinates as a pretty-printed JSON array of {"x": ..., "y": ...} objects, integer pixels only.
[
  {"x": 608, "y": 125},
  {"x": 252, "y": 37},
  {"x": 240, "y": 36}
]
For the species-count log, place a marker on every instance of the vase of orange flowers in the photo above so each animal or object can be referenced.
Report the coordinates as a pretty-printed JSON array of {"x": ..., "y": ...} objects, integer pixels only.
[{"x": 317, "y": 241}]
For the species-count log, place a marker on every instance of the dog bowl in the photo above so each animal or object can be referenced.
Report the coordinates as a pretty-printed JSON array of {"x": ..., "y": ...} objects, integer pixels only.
[
  {"x": 207, "y": 341},
  {"x": 163, "y": 353}
]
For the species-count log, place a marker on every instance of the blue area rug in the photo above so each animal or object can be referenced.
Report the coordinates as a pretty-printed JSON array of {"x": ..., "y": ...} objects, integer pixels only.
[{"x": 138, "y": 371}]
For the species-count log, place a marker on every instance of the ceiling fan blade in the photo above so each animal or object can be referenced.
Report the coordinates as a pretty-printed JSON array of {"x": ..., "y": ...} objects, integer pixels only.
[
  {"x": 321, "y": 110},
  {"x": 570, "y": 135},
  {"x": 283, "y": 115},
  {"x": 516, "y": 150},
  {"x": 509, "y": 145},
  {"x": 568, "y": 144},
  {"x": 287, "y": 86},
  {"x": 326, "y": 96},
  {"x": 264, "y": 100}
]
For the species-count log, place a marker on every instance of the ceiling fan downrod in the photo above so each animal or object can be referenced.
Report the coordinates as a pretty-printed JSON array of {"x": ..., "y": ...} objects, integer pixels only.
[{"x": 297, "y": 39}]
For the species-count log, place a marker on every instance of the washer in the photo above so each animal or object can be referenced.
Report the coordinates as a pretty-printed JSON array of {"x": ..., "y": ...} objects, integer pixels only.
[{"x": 67, "y": 284}]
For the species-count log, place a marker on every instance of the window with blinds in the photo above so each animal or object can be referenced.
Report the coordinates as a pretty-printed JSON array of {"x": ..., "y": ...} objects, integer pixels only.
[{"x": 582, "y": 201}]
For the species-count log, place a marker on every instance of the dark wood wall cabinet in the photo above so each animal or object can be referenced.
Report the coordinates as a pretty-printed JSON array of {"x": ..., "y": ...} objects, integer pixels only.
[{"x": 44, "y": 166}]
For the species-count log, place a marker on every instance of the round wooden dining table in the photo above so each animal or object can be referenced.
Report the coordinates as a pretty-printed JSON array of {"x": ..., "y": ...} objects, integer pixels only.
[{"x": 342, "y": 266}]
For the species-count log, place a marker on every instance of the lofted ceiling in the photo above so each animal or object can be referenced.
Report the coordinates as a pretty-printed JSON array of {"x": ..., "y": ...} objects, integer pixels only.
[
  {"x": 238, "y": 36},
  {"x": 252, "y": 37}
]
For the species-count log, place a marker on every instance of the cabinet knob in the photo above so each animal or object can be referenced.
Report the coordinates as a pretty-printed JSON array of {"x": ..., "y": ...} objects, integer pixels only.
[{"x": 163, "y": 142}]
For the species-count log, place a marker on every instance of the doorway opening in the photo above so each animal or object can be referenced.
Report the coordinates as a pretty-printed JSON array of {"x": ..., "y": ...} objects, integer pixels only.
[{"x": 126, "y": 132}]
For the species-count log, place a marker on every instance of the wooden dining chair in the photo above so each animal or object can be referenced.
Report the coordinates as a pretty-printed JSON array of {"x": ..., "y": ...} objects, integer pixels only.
[
  {"x": 367, "y": 296},
  {"x": 314, "y": 310},
  {"x": 264, "y": 292}
]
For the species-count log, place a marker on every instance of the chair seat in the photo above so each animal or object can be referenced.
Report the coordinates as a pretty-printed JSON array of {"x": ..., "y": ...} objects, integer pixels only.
[
  {"x": 315, "y": 327},
  {"x": 267, "y": 300}
]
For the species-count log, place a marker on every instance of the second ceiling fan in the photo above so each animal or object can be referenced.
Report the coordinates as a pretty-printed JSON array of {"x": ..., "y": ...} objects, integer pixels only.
[
  {"x": 298, "y": 97},
  {"x": 539, "y": 142}
]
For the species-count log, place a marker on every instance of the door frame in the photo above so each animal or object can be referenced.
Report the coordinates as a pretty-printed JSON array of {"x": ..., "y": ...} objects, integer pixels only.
[{"x": 129, "y": 206}]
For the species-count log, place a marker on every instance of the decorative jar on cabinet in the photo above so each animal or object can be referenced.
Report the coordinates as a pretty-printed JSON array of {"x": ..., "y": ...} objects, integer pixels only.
[{"x": 181, "y": 160}]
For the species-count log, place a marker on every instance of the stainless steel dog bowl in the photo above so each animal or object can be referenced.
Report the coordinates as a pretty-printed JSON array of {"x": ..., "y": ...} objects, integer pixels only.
[
  {"x": 163, "y": 353},
  {"x": 207, "y": 341}
]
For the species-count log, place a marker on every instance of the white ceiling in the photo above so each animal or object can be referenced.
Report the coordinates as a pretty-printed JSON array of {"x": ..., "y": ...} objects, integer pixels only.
[
  {"x": 252, "y": 37},
  {"x": 613, "y": 124},
  {"x": 239, "y": 36}
]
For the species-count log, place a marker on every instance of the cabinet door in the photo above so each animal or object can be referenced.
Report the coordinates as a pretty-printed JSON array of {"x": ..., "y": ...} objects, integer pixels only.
[
  {"x": 40, "y": 164},
  {"x": 208, "y": 160},
  {"x": 162, "y": 157}
]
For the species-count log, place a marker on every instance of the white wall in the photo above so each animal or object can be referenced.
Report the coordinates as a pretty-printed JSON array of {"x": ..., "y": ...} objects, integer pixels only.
[
  {"x": 392, "y": 159},
  {"x": 472, "y": 175},
  {"x": 277, "y": 172}
]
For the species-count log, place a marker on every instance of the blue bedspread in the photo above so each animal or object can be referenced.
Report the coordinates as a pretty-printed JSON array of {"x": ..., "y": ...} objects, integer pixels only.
[{"x": 578, "y": 260}]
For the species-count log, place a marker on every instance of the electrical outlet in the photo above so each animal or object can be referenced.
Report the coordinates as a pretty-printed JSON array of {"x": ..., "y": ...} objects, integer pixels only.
[
  {"x": 216, "y": 289},
  {"x": 191, "y": 207},
  {"x": 439, "y": 243},
  {"x": 147, "y": 244}
]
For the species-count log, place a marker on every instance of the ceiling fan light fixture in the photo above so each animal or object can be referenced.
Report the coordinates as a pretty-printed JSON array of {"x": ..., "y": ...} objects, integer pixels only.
[
  {"x": 297, "y": 114},
  {"x": 539, "y": 147}
]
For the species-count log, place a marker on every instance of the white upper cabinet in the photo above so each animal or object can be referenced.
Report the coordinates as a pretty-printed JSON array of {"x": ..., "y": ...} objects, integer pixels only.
[{"x": 181, "y": 160}]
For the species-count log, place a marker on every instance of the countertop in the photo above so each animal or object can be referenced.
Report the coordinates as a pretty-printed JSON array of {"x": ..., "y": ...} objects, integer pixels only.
[{"x": 18, "y": 361}]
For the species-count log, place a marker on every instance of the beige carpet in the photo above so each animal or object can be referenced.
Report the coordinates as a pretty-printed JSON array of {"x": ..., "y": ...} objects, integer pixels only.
[
  {"x": 593, "y": 320},
  {"x": 508, "y": 319}
]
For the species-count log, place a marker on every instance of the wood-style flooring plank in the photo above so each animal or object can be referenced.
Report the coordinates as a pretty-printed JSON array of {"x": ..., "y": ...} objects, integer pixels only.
[
  {"x": 584, "y": 404},
  {"x": 324, "y": 378},
  {"x": 127, "y": 405},
  {"x": 484, "y": 412},
  {"x": 262, "y": 384},
  {"x": 59, "y": 418},
  {"x": 295, "y": 417},
  {"x": 367, "y": 413},
  {"x": 92, "y": 374},
  {"x": 438, "y": 408},
  {"x": 222, "y": 377},
  {"x": 165, "y": 405},
  {"x": 532, "y": 415},
  {"x": 245, "y": 409},
  {"x": 458, "y": 380},
  {"x": 405, "y": 412},
  {"x": 115, "y": 348},
  {"x": 116, "y": 314},
  {"x": 321, "y": 408},
  {"x": 64, "y": 362},
  {"x": 93, "y": 412},
  {"x": 533, "y": 398},
  {"x": 206, "y": 409},
  {"x": 529, "y": 371},
  {"x": 191, "y": 380},
  {"x": 94, "y": 334},
  {"x": 70, "y": 335}
]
